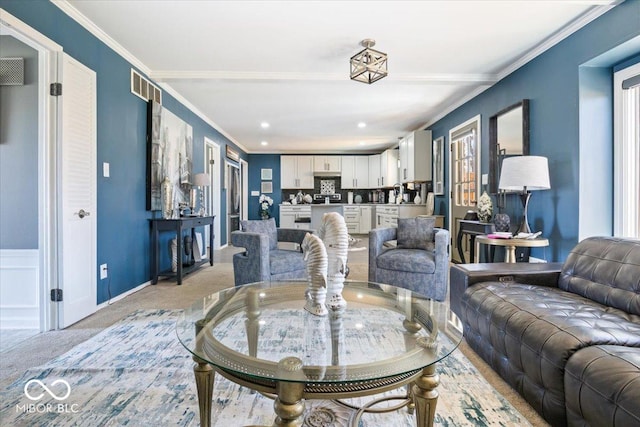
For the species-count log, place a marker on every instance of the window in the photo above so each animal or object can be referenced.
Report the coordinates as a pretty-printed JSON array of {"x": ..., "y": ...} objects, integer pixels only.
[{"x": 626, "y": 152}]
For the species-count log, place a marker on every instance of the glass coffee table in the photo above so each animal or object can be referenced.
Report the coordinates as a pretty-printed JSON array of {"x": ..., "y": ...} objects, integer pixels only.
[{"x": 260, "y": 336}]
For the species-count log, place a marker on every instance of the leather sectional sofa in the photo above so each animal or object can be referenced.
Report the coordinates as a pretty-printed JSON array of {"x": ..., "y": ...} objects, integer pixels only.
[{"x": 565, "y": 336}]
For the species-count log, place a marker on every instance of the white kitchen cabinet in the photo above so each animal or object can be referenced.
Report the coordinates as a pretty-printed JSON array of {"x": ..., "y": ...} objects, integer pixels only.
[
  {"x": 296, "y": 172},
  {"x": 386, "y": 216},
  {"x": 288, "y": 216},
  {"x": 415, "y": 156},
  {"x": 358, "y": 219},
  {"x": 365, "y": 219},
  {"x": 327, "y": 164},
  {"x": 352, "y": 218},
  {"x": 388, "y": 168},
  {"x": 374, "y": 171},
  {"x": 355, "y": 172}
]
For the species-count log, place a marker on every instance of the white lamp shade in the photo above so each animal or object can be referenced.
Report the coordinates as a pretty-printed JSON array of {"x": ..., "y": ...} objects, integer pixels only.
[
  {"x": 201, "y": 179},
  {"x": 524, "y": 173}
]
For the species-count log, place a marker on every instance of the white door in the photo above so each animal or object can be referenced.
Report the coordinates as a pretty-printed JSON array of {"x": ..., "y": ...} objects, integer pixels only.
[
  {"x": 212, "y": 167},
  {"x": 77, "y": 190}
]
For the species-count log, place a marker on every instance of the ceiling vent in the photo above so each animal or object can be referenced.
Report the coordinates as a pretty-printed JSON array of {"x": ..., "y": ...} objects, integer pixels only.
[
  {"x": 144, "y": 88},
  {"x": 11, "y": 71}
]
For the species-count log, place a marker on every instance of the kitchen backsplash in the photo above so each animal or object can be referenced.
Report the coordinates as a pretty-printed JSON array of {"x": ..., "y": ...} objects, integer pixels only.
[{"x": 366, "y": 195}]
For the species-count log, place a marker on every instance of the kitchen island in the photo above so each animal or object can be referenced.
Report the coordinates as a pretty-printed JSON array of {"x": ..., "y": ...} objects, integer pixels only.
[{"x": 318, "y": 210}]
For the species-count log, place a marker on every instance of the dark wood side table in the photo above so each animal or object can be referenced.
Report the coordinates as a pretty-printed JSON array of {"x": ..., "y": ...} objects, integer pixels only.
[
  {"x": 472, "y": 229},
  {"x": 178, "y": 226}
]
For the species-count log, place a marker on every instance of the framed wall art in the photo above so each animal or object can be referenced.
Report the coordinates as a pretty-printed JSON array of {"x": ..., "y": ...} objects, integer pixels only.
[
  {"x": 169, "y": 156},
  {"x": 266, "y": 187},
  {"x": 266, "y": 174}
]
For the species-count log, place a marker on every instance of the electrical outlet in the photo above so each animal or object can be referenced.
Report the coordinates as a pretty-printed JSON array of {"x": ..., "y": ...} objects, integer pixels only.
[{"x": 103, "y": 271}]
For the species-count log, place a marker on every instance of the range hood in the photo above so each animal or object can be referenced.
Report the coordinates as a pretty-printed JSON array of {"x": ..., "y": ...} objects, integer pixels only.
[{"x": 327, "y": 173}]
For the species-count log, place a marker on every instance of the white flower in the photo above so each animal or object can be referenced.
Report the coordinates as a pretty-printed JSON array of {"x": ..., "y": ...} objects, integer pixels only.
[{"x": 265, "y": 199}]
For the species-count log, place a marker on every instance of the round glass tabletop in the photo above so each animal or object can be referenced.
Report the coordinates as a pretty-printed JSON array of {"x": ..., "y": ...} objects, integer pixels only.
[{"x": 384, "y": 331}]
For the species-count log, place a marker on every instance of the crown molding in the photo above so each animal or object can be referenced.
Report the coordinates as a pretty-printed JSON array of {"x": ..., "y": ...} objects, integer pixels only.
[
  {"x": 167, "y": 75},
  {"x": 558, "y": 36},
  {"x": 536, "y": 51}
]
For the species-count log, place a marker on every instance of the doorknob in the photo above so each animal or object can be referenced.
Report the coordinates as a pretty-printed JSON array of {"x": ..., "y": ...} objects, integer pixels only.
[{"x": 82, "y": 213}]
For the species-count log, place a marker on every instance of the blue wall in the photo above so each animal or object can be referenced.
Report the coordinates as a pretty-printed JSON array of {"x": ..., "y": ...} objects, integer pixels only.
[
  {"x": 256, "y": 163},
  {"x": 551, "y": 82},
  {"x": 123, "y": 227}
]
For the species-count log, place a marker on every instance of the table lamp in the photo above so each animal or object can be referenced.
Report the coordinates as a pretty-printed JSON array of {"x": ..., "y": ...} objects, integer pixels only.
[
  {"x": 524, "y": 174},
  {"x": 202, "y": 180}
]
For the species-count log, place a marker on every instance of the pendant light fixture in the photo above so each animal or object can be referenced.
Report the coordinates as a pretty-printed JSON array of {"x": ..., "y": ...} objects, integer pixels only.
[{"x": 368, "y": 65}]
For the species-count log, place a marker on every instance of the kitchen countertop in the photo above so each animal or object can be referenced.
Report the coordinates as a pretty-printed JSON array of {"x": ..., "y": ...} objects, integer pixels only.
[{"x": 354, "y": 204}]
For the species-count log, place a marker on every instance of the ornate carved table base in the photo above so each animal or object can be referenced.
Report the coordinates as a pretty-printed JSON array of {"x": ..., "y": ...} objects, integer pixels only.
[
  {"x": 205, "y": 376},
  {"x": 425, "y": 396}
]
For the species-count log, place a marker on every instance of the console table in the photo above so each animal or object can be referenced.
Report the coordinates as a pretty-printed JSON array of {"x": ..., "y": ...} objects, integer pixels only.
[
  {"x": 178, "y": 226},
  {"x": 472, "y": 229}
]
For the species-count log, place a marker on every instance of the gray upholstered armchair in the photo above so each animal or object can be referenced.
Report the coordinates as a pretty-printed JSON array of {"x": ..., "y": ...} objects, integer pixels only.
[
  {"x": 262, "y": 260},
  {"x": 419, "y": 262}
]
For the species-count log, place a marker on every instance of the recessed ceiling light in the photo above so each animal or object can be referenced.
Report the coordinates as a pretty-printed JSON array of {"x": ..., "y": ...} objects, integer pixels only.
[
  {"x": 361, "y": 142},
  {"x": 264, "y": 143},
  {"x": 264, "y": 125},
  {"x": 362, "y": 125}
]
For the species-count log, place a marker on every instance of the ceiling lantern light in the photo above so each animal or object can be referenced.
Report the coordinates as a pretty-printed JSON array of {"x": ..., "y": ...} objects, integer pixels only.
[{"x": 368, "y": 65}]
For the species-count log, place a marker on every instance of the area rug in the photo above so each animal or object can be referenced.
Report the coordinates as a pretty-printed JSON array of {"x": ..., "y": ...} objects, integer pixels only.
[{"x": 136, "y": 373}]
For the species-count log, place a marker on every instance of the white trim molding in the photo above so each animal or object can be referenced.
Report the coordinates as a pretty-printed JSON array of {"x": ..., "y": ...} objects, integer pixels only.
[
  {"x": 626, "y": 155},
  {"x": 19, "y": 289}
]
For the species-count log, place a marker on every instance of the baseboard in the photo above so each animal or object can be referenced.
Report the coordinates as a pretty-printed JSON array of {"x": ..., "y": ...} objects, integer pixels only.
[{"x": 124, "y": 295}]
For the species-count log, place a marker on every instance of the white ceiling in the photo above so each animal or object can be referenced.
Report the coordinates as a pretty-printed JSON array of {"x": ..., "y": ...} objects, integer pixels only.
[{"x": 238, "y": 63}]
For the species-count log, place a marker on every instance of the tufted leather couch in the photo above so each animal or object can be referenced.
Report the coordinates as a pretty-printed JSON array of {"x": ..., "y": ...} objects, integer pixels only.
[{"x": 567, "y": 340}]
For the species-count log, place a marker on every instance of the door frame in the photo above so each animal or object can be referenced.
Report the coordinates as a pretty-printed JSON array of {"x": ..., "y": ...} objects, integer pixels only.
[
  {"x": 452, "y": 133},
  {"x": 214, "y": 189},
  {"x": 244, "y": 174},
  {"x": 48, "y": 52}
]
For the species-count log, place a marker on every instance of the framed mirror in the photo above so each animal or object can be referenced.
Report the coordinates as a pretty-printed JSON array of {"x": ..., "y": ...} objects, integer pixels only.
[{"x": 508, "y": 136}]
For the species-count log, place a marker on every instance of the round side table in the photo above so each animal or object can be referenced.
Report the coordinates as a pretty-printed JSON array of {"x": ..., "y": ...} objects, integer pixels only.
[{"x": 511, "y": 245}]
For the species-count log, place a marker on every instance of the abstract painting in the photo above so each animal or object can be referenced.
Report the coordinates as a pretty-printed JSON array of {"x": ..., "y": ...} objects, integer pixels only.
[{"x": 169, "y": 154}]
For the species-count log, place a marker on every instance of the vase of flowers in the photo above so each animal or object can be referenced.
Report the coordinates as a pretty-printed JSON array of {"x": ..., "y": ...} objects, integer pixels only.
[{"x": 265, "y": 206}]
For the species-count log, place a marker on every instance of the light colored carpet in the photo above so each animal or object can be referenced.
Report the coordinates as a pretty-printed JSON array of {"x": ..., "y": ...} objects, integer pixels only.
[{"x": 135, "y": 373}]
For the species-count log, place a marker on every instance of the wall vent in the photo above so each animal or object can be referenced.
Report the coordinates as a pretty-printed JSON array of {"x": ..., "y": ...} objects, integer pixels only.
[
  {"x": 11, "y": 71},
  {"x": 144, "y": 88}
]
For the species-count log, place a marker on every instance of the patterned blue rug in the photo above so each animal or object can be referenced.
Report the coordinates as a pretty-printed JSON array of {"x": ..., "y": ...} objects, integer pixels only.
[{"x": 136, "y": 373}]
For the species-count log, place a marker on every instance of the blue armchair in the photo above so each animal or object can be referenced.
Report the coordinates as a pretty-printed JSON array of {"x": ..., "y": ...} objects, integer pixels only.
[
  {"x": 262, "y": 260},
  {"x": 419, "y": 262}
]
